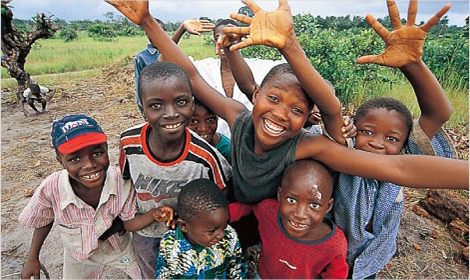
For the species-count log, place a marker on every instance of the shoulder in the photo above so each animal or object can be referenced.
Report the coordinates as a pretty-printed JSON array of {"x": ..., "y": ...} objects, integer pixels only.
[
  {"x": 133, "y": 131},
  {"x": 201, "y": 147}
]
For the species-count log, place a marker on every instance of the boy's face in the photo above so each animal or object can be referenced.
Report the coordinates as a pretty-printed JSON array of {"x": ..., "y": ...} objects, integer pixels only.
[
  {"x": 303, "y": 203},
  {"x": 314, "y": 117},
  {"x": 280, "y": 111},
  {"x": 381, "y": 131},
  {"x": 204, "y": 123},
  {"x": 87, "y": 167},
  {"x": 168, "y": 107},
  {"x": 219, "y": 30},
  {"x": 208, "y": 228}
]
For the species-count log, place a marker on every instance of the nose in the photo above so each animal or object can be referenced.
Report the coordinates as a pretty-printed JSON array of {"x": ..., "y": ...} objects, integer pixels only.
[
  {"x": 300, "y": 213},
  {"x": 377, "y": 143},
  {"x": 202, "y": 127},
  {"x": 88, "y": 162},
  {"x": 220, "y": 234},
  {"x": 281, "y": 112},
  {"x": 170, "y": 112}
]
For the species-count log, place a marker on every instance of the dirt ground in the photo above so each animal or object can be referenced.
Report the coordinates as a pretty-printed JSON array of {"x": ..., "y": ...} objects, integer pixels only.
[{"x": 28, "y": 157}]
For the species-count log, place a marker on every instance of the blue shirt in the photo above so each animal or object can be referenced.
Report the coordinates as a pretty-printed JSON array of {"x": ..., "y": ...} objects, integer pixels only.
[
  {"x": 142, "y": 59},
  {"x": 358, "y": 200}
]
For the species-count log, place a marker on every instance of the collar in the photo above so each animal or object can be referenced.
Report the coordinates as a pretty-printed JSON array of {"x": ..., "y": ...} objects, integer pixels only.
[
  {"x": 151, "y": 49},
  {"x": 67, "y": 195}
]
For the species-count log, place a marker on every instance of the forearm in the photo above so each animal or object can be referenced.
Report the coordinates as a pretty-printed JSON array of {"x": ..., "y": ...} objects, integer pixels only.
[
  {"x": 316, "y": 87},
  {"x": 435, "y": 107},
  {"x": 178, "y": 34},
  {"x": 241, "y": 72},
  {"x": 140, "y": 221},
  {"x": 39, "y": 236}
]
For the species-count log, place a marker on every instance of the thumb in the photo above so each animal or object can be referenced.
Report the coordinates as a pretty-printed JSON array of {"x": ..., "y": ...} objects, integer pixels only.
[{"x": 370, "y": 59}]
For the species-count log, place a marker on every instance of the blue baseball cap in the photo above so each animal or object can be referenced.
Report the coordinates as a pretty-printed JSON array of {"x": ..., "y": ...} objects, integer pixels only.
[{"x": 75, "y": 132}]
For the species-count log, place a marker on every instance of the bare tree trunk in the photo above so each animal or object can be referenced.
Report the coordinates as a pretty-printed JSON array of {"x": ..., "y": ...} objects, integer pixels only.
[{"x": 17, "y": 45}]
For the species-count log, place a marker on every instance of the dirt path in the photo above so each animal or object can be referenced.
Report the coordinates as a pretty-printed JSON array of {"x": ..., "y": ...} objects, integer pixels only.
[{"x": 28, "y": 158}]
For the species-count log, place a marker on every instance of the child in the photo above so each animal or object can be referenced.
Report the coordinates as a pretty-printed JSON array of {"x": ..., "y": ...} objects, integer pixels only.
[
  {"x": 151, "y": 54},
  {"x": 84, "y": 199},
  {"x": 37, "y": 93},
  {"x": 162, "y": 155},
  {"x": 204, "y": 123},
  {"x": 297, "y": 241},
  {"x": 268, "y": 139},
  {"x": 203, "y": 245},
  {"x": 369, "y": 211}
]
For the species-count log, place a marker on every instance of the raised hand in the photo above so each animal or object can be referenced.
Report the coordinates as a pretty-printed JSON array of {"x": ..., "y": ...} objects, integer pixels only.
[
  {"x": 226, "y": 40},
  {"x": 165, "y": 214},
  {"x": 349, "y": 129},
  {"x": 195, "y": 26},
  {"x": 272, "y": 29},
  {"x": 404, "y": 44},
  {"x": 135, "y": 11}
]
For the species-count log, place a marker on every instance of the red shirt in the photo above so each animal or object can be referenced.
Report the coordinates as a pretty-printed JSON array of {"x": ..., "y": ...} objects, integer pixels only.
[{"x": 284, "y": 257}]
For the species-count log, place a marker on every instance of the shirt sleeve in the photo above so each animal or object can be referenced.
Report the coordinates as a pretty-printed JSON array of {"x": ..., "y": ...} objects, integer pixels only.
[
  {"x": 420, "y": 144},
  {"x": 336, "y": 269},
  {"x": 238, "y": 210},
  {"x": 237, "y": 265},
  {"x": 161, "y": 267},
  {"x": 39, "y": 211},
  {"x": 129, "y": 208}
]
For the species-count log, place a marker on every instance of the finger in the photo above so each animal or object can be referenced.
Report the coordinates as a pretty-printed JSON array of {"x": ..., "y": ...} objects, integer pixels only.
[
  {"x": 241, "y": 18},
  {"x": 241, "y": 45},
  {"x": 204, "y": 21},
  {"x": 283, "y": 6},
  {"x": 237, "y": 30},
  {"x": 378, "y": 59},
  {"x": 394, "y": 15},
  {"x": 252, "y": 5},
  {"x": 412, "y": 10},
  {"x": 36, "y": 275},
  {"x": 378, "y": 27},
  {"x": 435, "y": 19}
]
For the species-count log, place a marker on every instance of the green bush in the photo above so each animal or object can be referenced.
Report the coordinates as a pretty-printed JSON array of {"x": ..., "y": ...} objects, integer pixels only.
[
  {"x": 101, "y": 32},
  {"x": 68, "y": 34}
]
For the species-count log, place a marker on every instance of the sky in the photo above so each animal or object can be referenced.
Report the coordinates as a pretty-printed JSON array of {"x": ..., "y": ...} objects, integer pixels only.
[{"x": 179, "y": 10}]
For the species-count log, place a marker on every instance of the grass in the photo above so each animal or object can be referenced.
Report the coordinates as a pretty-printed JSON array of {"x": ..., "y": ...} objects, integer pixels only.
[{"x": 53, "y": 61}]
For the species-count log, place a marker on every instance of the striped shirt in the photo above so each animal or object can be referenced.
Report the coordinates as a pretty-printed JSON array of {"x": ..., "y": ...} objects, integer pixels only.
[
  {"x": 159, "y": 183},
  {"x": 80, "y": 225}
]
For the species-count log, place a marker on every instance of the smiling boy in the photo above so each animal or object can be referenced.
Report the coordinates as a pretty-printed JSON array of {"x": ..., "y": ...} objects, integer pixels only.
[{"x": 298, "y": 241}]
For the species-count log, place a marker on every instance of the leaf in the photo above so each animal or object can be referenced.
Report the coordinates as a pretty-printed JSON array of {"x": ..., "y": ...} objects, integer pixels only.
[
  {"x": 417, "y": 246},
  {"x": 38, "y": 162}
]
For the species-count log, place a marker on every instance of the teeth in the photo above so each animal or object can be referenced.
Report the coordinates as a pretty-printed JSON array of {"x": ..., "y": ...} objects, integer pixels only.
[
  {"x": 272, "y": 127},
  {"x": 173, "y": 126},
  {"x": 297, "y": 225},
  {"x": 91, "y": 176}
]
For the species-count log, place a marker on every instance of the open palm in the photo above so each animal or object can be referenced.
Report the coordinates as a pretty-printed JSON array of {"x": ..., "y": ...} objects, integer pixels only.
[
  {"x": 266, "y": 28},
  {"x": 135, "y": 11},
  {"x": 405, "y": 43}
]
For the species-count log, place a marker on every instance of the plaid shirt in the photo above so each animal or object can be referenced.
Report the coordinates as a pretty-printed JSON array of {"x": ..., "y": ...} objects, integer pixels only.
[
  {"x": 358, "y": 200},
  {"x": 80, "y": 225}
]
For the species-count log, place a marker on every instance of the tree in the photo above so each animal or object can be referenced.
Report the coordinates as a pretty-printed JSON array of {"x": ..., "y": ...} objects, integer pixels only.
[{"x": 16, "y": 46}]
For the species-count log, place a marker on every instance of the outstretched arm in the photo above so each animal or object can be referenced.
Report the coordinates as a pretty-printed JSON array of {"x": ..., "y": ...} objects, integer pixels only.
[
  {"x": 32, "y": 267},
  {"x": 138, "y": 12},
  {"x": 275, "y": 29},
  {"x": 160, "y": 214},
  {"x": 192, "y": 26},
  {"x": 403, "y": 50}
]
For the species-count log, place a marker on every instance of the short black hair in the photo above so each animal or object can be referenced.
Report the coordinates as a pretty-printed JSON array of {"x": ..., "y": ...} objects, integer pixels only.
[
  {"x": 161, "y": 70},
  {"x": 199, "y": 103},
  {"x": 161, "y": 23},
  {"x": 35, "y": 89},
  {"x": 280, "y": 69},
  {"x": 226, "y": 22},
  {"x": 312, "y": 169},
  {"x": 198, "y": 196},
  {"x": 389, "y": 104}
]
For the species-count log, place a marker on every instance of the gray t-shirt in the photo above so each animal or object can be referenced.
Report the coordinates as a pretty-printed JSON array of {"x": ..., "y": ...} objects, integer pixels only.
[{"x": 257, "y": 177}]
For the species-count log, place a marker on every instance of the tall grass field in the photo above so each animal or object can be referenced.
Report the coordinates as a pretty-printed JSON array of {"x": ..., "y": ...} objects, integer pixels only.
[{"x": 53, "y": 60}]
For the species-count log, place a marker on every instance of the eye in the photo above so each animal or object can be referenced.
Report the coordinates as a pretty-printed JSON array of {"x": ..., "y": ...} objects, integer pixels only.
[
  {"x": 211, "y": 232},
  {"x": 366, "y": 132},
  {"x": 194, "y": 121},
  {"x": 393, "y": 139},
  {"x": 182, "y": 102},
  {"x": 74, "y": 159},
  {"x": 297, "y": 111},
  {"x": 315, "y": 205},
  {"x": 97, "y": 154},
  {"x": 273, "y": 98},
  {"x": 211, "y": 120},
  {"x": 156, "y": 106},
  {"x": 290, "y": 200}
]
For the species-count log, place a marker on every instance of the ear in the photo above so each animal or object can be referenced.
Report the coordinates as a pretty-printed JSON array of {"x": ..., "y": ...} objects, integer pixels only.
[
  {"x": 330, "y": 205},
  {"x": 182, "y": 224},
  {"x": 279, "y": 193},
  {"x": 59, "y": 160},
  {"x": 255, "y": 95}
]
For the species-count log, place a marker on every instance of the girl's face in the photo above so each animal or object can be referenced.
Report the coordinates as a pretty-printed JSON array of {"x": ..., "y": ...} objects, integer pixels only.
[
  {"x": 204, "y": 123},
  {"x": 280, "y": 111},
  {"x": 168, "y": 106},
  {"x": 381, "y": 131}
]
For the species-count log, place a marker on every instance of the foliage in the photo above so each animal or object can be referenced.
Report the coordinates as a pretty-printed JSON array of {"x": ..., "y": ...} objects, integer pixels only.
[
  {"x": 101, "y": 32},
  {"x": 68, "y": 34}
]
